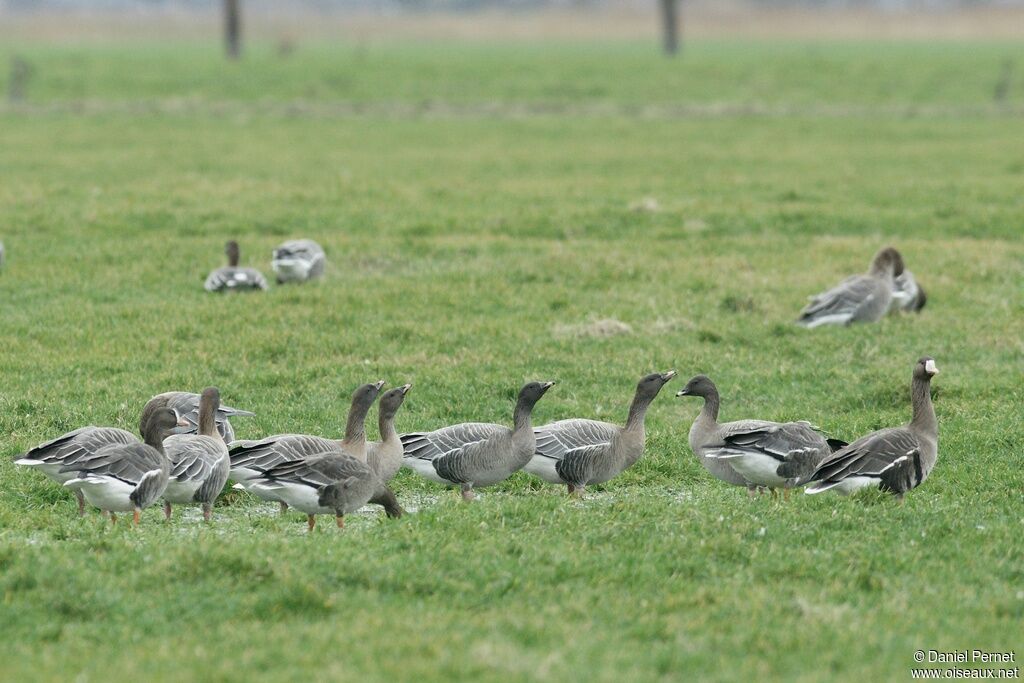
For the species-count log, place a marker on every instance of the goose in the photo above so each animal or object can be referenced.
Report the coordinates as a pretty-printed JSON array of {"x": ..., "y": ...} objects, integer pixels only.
[
  {"x": 186, "y": 405},
  {"x": 580, "y": 452},
  {"x": 907, "y": 295},
  {"x": 895, "y": 460},
  {"x": 127, "y": 477},
  {"x": 199, "y": 462},
  {"x": 50, "y": 457},
  {"x": 298, "y": 261},
  {"x": 474, "y": 454},
  {"x": 860, "y": 298},
  {"x": 251, "y": 459},
  {"x": 754, "y": 453},
  {"x": 232, "y": 278},
  {"x": 331, "y": 483},
  {"x": 385, "y": 456}
]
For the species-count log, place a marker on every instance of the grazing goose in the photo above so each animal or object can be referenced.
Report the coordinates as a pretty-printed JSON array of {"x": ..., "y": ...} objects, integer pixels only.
[
  {"x": 232, "y": 278},
  {"x": 897, "y": 459},
  {"x": 755, "y": 453},
  {"x": 186, "y": 405},
  {"x": 333, "y": 483},
  {"x": 385, "y": 456},
  {"x": 907, "y": 295},
  {"x": 580, "y": 452},
  {"x": 127, "y": 477},
  {"x": 298, "y": 261},
  {"x": 51, "y": 457},
  {"x": 474, "y": 454},
  {"x": 857, "y": 299},
  {"x": 199, "y": 462},
  {"x": 251, "y": 459}
]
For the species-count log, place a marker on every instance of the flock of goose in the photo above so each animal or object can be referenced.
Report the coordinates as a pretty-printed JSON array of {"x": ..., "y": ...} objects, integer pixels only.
[{"x": 188, "y": 451}]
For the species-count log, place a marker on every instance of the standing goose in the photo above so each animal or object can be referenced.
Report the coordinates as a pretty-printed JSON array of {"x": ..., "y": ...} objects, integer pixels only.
[
  {"x": 333, "y": 483},
  {"x": 385, "y": 456},
  {"x": 251, "y": 459},
  {"x": 298, "y": 261},
  {"x": 51, "y": 457},
  {"x": 232, "y": 278},
  {"x": 474, "y": 454},
  {"x": 580, "y": 452},
  {"x": 755, "y": 453},
  {"x": 186, "y": 405},
  {"x": 897, "y": 459},
  {"x": 127, "y": 477},
  {"x": 860, "y": 298},
  {"x": 907, "y": 295},
  {"x": 199, "y": 462}
]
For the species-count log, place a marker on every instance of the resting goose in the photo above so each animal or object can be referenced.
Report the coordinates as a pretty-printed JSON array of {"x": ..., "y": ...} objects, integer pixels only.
[
  {"x": 251, "y": 459},
  {"x": 860, "y": 298},
  {"x": 199, "y": 462},
  {"x": 232, "y": 278},
  {"x": 186, "y": 405},
  {"x": 127, "y": 477},
  {"x": 385, "y": 456},
  {"x": 298, "y": 261},
  {"x": 897, "y": 459},
  {"x": 580, "y": 452},
  {"x": 907, "y": 295},
  {"x": 474, "y": 454},
  {"x": 51, "y": 457},
  {"x": 755, "y": 453}
]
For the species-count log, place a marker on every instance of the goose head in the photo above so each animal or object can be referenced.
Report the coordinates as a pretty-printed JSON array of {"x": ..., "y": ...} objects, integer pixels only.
[
  {"x": 888, "y": 260},
  {"x": 649, "y": 386},
  {"x": 925, "y": 368},
  {"x": 532, "y": 392},
  {"x": 161, "y": 423},
  {"x": 699, "y": 385},
  {"x": 392, "y": 400}
]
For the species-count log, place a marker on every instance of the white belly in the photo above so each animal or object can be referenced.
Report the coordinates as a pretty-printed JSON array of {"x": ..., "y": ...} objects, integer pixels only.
[
  {"x": 756, "y": 468},
  {"x": 106, "y": 493},
  {"x": 425, "y": 469},
  {"x": 837, "y": 319},
  {"x": 291, "y": 270},
  {"x": 544, "y": 468},
  {"x": 260, "y": 489},
  {"x": 52, "y": 470},
  {"x": 302, "y": 498},
  {"x": 181, "y": 492}
]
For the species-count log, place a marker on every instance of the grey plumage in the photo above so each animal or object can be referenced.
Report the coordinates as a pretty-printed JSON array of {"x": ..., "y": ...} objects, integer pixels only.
[
  {"x": 897, "y": 459},
  {"x": 754, "y": 453},
  {"x": 579, "y": 452},
  {"x": 860, "y": 298},
  {"x": 186, "y": 405},
  {"x": 907, "y": 294},
  {"x": 251, "y": 460},
  {"x": 385, "y": 456},
  {"x": 475, "y": 455},
  {"x": 199, "y": 463},
  {"x": 233, "y": 278},
  {"x": 298, "y": 261},
  {"x": 127, "y": 477}
]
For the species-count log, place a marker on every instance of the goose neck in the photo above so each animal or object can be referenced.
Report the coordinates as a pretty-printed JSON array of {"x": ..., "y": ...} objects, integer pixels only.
[{"x": 924, "y": 412}]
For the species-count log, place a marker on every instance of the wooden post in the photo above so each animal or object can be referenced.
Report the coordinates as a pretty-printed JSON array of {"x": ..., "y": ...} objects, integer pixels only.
[
  {"x": 232, "y": 29},
  {"x": 670, "y": 26}
]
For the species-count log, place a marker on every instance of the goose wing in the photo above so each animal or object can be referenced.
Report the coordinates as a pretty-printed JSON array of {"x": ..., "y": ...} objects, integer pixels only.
[
  {"x": 436, "y": 444},
  {"x": 797, "y": 446},
  {"x": 577, "y": 464},
  {"x": 319, "y": 471},
  {"x": 840, "y": 303},
  {"x": 193, "y": 457},
  {"x": 73, "y": 446},
  {"x": 131, "y": 463},
  {"x": 231, "y": 279},
  {"x": 265, "y": 454},
  {"x": 557, "y": 439},
  {"x": 893, "y": 456}
]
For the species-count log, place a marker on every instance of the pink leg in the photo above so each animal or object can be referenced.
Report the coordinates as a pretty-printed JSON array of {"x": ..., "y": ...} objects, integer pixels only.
[
  {"x": 167, "y": 511},
  {"x": 310, "y": 522},
  {"x": 207, "y": 511}
]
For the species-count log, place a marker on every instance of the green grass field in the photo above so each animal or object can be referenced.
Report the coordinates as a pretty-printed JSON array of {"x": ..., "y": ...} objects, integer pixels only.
[{"x": 483, "y": 207}]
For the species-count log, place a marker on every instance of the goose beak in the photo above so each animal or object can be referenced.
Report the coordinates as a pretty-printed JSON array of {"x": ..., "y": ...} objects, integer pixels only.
[
  {"x": 379, "y": 385},
  {"x": 666, "y": 376},
  {"x": 930, "y": 367},
  {"x": 405, "y": 388},
  {"x": 182, "y": 422},
  {"x": 682, "y": 392},
  {"x": 547, "y": 385}
]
